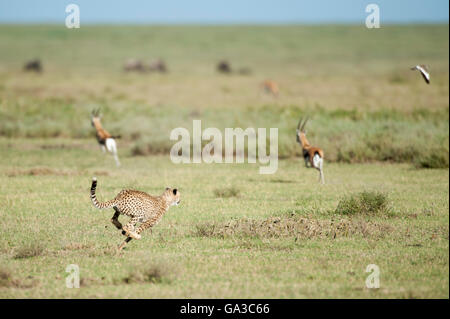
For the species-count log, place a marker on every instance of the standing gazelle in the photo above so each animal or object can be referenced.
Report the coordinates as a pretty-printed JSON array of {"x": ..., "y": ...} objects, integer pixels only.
[
  {"x": 313, "y": 156},
  {"x": 106, "y": 140},
  {"x": 271, "y": 87}
]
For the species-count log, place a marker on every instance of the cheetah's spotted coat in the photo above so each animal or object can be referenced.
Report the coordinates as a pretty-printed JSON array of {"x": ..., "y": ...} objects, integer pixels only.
[{"x": 140, "y": 206}]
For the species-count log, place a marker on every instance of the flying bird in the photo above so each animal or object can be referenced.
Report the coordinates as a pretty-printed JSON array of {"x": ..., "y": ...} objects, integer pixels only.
[{"x": 424, "y": 71}]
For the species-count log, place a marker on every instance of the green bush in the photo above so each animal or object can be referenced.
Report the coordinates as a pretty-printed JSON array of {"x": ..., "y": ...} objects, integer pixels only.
[
  {"x": 434, "y": 159},
  {"x": 367, "y": 203}
]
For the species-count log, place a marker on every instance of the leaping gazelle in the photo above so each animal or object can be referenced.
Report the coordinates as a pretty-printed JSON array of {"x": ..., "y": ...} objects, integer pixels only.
[
  {"x": 313, "y": 156},
  {"x": 106, "y": 140}
]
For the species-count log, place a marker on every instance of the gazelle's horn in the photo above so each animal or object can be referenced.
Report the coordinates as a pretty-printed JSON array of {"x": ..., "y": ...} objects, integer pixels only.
[
  {"x": 304, "y": 123},
  {"x": 299, "y": 123}
]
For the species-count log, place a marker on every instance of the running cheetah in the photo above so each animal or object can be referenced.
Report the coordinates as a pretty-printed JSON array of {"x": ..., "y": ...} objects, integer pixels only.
[{"x": 141, "y": 207}]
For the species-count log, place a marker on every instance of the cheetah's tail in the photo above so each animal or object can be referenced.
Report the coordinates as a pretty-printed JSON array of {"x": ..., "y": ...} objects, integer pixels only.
[{"x": 94, "y": 200}]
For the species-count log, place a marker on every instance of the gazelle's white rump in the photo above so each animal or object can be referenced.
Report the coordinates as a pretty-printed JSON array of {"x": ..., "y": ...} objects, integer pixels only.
[
  {"x": 317, "y": 161},
  {"x": 112, "y": 148}
]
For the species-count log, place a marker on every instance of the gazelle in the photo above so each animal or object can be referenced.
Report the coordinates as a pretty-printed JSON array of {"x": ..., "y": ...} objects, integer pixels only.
[
  {"x": 313, "y": 156},
  {"x": 271, "y": 87},
  {"x": 106, "y": 140}
]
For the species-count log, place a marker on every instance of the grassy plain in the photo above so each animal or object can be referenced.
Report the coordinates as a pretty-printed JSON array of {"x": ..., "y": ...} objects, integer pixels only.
[{"x": 236, "y": 233}]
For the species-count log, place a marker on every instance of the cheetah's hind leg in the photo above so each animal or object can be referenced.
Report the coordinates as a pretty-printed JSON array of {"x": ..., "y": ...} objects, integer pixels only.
[{"x": 115, "y": 218}]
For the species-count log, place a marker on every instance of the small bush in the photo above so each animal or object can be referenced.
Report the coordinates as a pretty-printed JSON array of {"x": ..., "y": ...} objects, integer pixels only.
[
  {"x": 31, "y": 250},
  {"x": 226, "y": 192},
  {"x": 368, "y": 203},
  {"x": 150, "y": 148},
  {"x": 205, "y": 230},
  {"x": 152, "y": 274},
  {"x": 434, "y": 159}
]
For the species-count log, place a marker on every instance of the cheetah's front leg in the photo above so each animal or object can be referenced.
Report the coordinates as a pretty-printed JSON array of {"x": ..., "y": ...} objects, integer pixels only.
[
  {"x": 129, "y": 229},
  {"x": 145, "y": 225}
]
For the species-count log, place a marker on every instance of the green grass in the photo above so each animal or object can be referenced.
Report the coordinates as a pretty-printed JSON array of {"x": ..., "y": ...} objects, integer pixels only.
[
  {"x": 365, "y": 103},
  {"x": 236, "y": 234},
  {"x": 279, "y": 238}
]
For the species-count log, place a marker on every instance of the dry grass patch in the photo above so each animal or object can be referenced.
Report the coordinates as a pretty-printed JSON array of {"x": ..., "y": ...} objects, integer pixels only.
[
  {"x": 31, "y": 250},
  {"x": 293, "y": 226},
  {"x": 7, "y": 280},
  {"x": 77, "y": 246},
  {"x": 154, "y": 273},
  {"x": 226, "y": 192},
  {"x": 45, "y": 171}
]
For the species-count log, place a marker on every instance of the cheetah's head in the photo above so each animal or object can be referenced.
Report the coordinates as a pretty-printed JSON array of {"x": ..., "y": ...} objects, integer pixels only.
[{"x": 172, "y": 195}]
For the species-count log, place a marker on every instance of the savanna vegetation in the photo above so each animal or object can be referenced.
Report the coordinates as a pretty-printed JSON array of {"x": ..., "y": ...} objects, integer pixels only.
[{"x": 236, "y": 234}]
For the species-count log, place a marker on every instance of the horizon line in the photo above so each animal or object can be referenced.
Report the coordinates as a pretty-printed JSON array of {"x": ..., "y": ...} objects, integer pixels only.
[{"x": 187, "y": 23}]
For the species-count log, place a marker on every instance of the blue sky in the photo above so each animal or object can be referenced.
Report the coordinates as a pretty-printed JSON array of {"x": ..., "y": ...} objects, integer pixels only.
[{"x": 223, "y": 11}]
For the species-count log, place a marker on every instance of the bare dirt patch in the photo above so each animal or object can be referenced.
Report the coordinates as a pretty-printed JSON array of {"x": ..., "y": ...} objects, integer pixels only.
[{"x": 7, "y": 280}]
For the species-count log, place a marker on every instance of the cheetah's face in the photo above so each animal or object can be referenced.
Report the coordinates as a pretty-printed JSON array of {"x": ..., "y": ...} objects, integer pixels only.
[{"x": 173, "y": 196}]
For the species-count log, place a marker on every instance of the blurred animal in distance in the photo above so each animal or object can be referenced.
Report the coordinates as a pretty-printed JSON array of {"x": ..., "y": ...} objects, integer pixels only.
[
  {"x": 271, "y": 87},
  {"x": 158, "y": 66},
  {"x": 223, "y": 67},
  {"x": 134, "y": 65},
  {"x": 33, "y": 65}
]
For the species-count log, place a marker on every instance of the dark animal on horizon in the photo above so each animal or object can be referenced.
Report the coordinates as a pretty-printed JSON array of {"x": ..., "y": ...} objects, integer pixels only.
[
  {"x": 158, "y": 66},
  {"x": 134, "y": 65},
  {"x": 33, "y": 65},
  {"x": 223, "y": 67}
]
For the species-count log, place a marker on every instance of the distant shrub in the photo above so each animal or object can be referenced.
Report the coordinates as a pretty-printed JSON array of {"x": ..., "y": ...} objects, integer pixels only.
[
  {"x": 433, "y": 159},
  {"x": 205, "y": 230},
  {"x": 32, "y": 250},
  {"x": 368, "y": 203},
  {"x": 150, "y": 148},
  {"x": 226, "y": 192},
  {"x": 397, "y": 79},
  {"x": 155, "y": 273}
]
